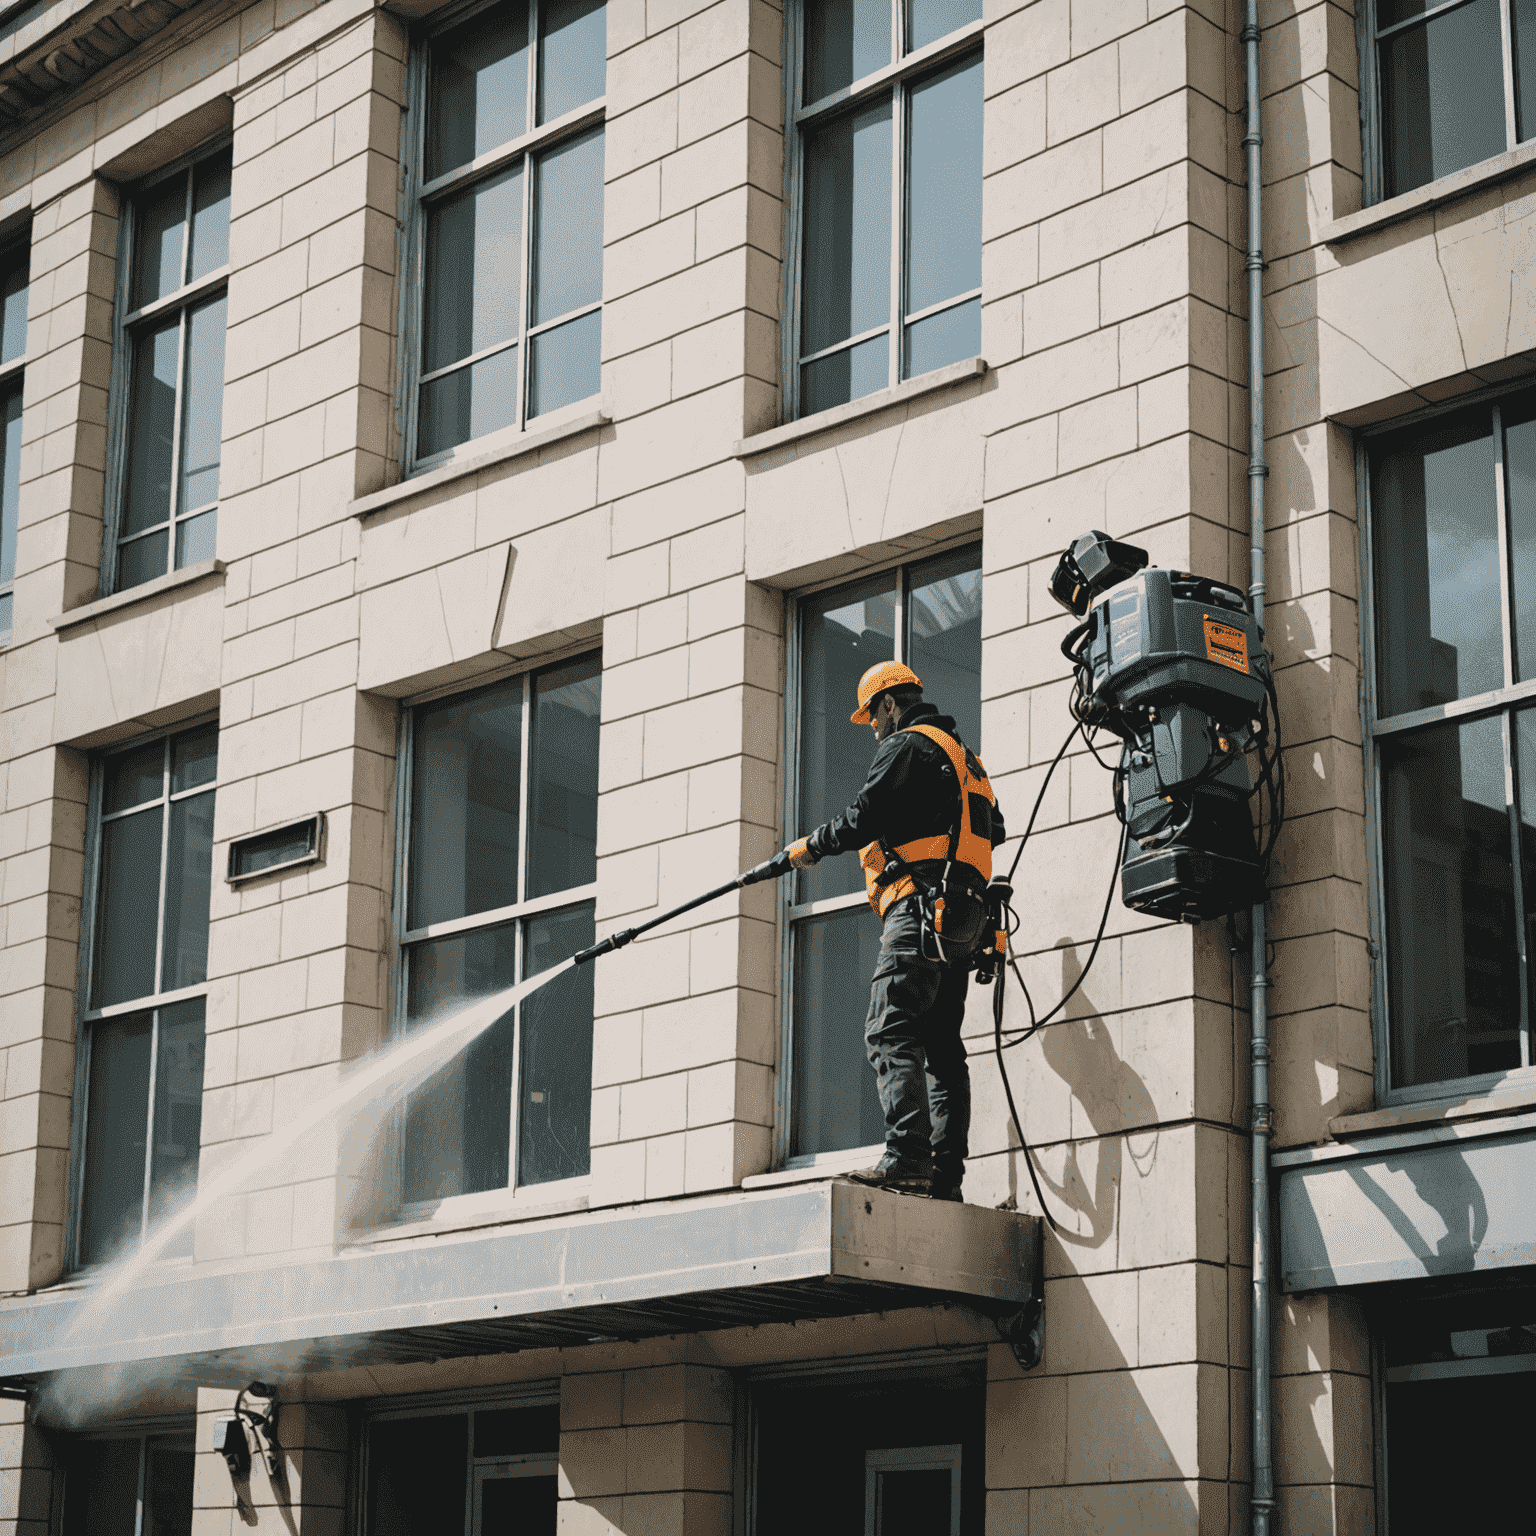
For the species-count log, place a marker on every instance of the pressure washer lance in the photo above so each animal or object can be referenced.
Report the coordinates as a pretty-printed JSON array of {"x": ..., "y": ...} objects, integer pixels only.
[{"x": 769, "y": 869}]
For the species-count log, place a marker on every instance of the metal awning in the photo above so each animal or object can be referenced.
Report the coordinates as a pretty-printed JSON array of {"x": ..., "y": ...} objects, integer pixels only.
[
  {"x": 1450, "y": 1200},
  {"x": 804, "y": 1251}
]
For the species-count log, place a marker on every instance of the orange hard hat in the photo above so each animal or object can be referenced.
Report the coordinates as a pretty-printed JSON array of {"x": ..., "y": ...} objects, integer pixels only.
[{"x": 880, "y": 677}]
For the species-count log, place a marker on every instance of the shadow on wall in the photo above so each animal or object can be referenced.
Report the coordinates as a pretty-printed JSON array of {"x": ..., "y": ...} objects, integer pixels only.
[{"x": 1123, "y": 1442}]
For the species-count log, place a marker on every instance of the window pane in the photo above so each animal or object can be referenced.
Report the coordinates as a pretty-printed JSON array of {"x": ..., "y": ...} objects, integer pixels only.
[
  {"x": 1523, "y": 27},
  {"x": 152, "y": 427},
  {"x": 844, "y": 41},
  {"x": 473, "y": 270},
  {"x": 843, "y": 633},
  {"x": 13, "y": 312},
  {"x": 950, "y": 336},
  {"x": 479, "y": 88},
  {"x": 929, "y": 20},
  {"x": 196, "y": 538},
  {"x": 101, "y": 1488},
  {"x": 573, "y": 55},
  {"x": 555, "y": 1104},
  {"x": 517, "y": 1431},
  {"x": 944, "y": 636},
  {"x": 131, "y": 778},
  {"x": 914, "y": 1503},
  {"x": 188, "y": 888},
  {"x": 1437, "y": 564},
  {"x": 10, "y": 479},
  {"x": 526, "y": 1505},
  {"x": 128, "y": 907},
  {"x": 568, "y": 239},
  {"x": 565, "y": 364},
  {"x": 168, "y": 1486},
  {"x": 5, "y": 613},
  {"x": 467, "y": 759},
  {"x": 1441, "y": 105},
  {"x": 159, "y": 225},
  {"x": 195, "y": 757},
  {"x": 562, "y": 790},
  {"x": 459, "y": 407},
  {"x": 846, "y": 284},
  {"x": 1520, "y": 487},
  {"x": 834, "y": 1103},
  {"x": 458, "y": 1126},
  {"x": 142, "y": 560},
  {"x": 203, "y": 419},
  {"x": 944, "y": 186},
  {"x": 210, "y": 216},
  {"x": 178, "y": 1114},
  {"x": 1455, "y": 1446},
  {"x": 416, "y": 1471},
  {"x": 847, "y": 375},
  {"x": 117, "y": 1106},
  {"x": 1453, "y": 973}
]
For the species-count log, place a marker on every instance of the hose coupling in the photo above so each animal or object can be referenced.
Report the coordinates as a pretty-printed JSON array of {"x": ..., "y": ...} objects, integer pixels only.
[{"x": 605, "y": 946}]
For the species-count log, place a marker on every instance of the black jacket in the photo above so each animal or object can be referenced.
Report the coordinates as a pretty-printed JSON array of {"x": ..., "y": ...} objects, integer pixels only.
[{"x": 909, "y": 792}]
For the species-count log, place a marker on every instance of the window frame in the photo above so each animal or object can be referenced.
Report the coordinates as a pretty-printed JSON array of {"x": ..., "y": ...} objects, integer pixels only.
[
  {"x": 142, "y": 1429},
  {"x": 125, "y": 324},
  {"x": 152, "y": 1003},
  {"x": 892, "y": 79},
  {"x": 790, "y": 912},
  {"x": 17, "y": 250},
  {"x": 915, "y": 1458},
  {"x": 1367, "y": 42},
  {"x": 419, "y": 193},
  {"x": 431, "y": 1405},
  {"x": 514, "y": 915},
  {"x": 1376, "y": 730}
]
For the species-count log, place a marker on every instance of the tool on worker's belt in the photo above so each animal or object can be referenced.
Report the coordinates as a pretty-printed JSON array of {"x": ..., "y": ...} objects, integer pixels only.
[{"x": 769, "y": 869}]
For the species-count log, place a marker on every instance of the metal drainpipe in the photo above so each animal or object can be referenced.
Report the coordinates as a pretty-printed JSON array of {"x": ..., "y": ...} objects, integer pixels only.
[{"x": 1263, "y": 1500}]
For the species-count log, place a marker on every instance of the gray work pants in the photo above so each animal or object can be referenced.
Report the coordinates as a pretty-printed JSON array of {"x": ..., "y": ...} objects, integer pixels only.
[{"x": 913, "y": 1036}]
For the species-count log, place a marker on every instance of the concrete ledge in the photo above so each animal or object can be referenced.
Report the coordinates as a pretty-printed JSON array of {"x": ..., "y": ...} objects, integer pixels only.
[
  {"x": 1447, "y": 189},
  {"x": 185, "y": 577},
  {"x": 825, "y": 1250},
  {"x": 840, "y": 415},
  {"x": 1379, "y": 1121},
  {"x": 527, "y": 442}
]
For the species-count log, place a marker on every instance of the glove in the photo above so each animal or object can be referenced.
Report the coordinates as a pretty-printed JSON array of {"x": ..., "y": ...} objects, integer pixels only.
[{"x": 800, "y": 855}]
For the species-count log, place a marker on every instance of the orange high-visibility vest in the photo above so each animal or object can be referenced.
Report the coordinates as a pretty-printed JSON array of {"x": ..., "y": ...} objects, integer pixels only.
[{"x": 971, "y": 847}]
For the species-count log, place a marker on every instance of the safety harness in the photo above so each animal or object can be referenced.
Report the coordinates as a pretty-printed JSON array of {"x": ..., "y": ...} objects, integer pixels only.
[{"x": 954, "y": 912}]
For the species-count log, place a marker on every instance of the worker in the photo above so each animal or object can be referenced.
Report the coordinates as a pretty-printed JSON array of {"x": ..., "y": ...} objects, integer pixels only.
[{"x": 926, "y": 822}]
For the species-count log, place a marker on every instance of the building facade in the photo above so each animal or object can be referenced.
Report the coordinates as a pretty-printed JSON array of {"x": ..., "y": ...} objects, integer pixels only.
[{"x": 458, "y": 460}]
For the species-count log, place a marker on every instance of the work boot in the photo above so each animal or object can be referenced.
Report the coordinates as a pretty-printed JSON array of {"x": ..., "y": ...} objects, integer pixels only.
[
  {"x": 892, "y": 1173},
  {"x": 945, "y": 1184}
]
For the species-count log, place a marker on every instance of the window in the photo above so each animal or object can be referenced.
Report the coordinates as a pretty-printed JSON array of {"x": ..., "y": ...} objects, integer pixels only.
[
  {"x": 928, "y": 615},
  {"x": 1452, "y": 732},
  {"x": 872, "y": 1455},
  {"x": 1453, "y": 84},
  {"x": 887, "y": 160},
  {"x": 137, "y": 1485},
  {"x": 501, "y": 865},
  {"x": 139, "y": 1089},
  {"x": 170, "y": 382},
  {"x": 1457, "y": 1372},
  {"x": 497, "y": 1465},
  {"x": 507, "y": 240},
  {"x": 13, "y": 348}
]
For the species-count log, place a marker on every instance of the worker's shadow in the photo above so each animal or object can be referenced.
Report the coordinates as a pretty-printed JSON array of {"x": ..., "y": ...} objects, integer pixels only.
[{"x": 1079, "y": 1049}]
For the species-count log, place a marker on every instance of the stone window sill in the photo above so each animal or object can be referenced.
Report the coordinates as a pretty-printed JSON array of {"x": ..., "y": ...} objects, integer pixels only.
[
  {"x": 827, "y": 1166},
  {"x": 840, "y": 415},
  {"x": 516, "y": 447},
  {"x": 1486, "y": 173},
  {"x": 139, "y": 594},
  {"x": 1402, "y": 1116},
  {"x": 474, "y": 1217}
]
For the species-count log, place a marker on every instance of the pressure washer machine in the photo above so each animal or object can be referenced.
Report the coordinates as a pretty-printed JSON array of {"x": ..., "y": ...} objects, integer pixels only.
[{"x": 1175, "y": 666}]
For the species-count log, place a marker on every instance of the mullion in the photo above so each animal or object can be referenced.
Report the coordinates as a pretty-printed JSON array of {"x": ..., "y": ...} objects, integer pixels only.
[
  {"x": 149, "y": 1116},
  {"x": 519, "y": 941},
  {"x": 165, "y": 844},
  {"x": 531, "y": 168},
  {"x": 1507, "y": 41},
  {"x": 1512, "y": 806},
  {"x": 898, "y": 211}
]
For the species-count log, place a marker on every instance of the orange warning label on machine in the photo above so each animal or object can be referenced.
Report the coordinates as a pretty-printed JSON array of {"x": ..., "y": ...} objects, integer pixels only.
[{"x": 1226, "y": 645}]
